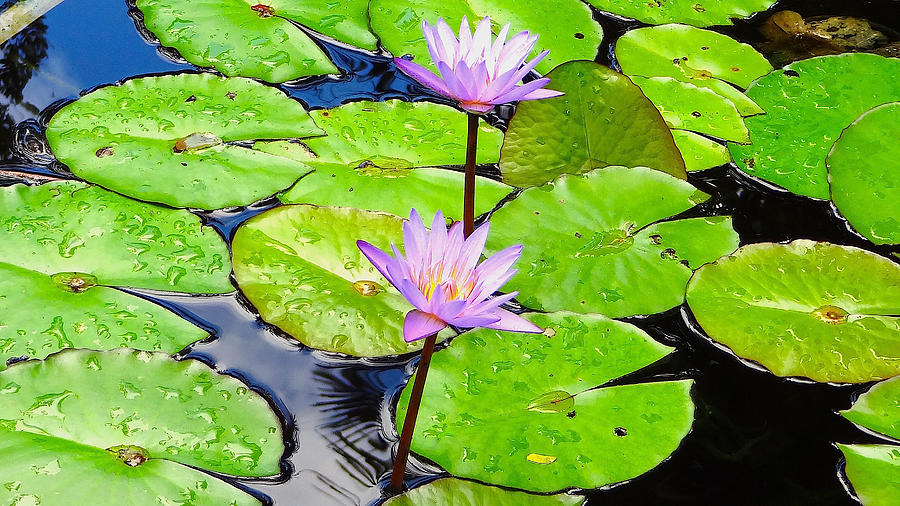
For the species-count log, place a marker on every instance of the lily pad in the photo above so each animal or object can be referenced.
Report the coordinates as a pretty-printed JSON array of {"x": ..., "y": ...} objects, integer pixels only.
[
  {"x": 603, "y": 119},
  {"x": 864, "y": 174},
  {"x": 468, "y": 493},
  {"x": 64, "y": 227},
  {"x": 566, "y": 27},
  {"x": 700, "y": 153},
  {"x": 40, "y": 315},
  {"x": 878, "y": 409},
  {"x": 690, "y": 12},
  {"x": 700, "y": 57},
  {"x": 173, "y": 139},
  {"x": 874, "y": 471},
  {"x": 300, "y": 267},
  {"x": 130, "y": 426},
  {"x": 817, "y": 310},
  {"x": 688, "y": 107},
  {"x": 522, "y": 411},
  {"x": 808, "y": 104},
  {"x": 599, "y": 237},
  {"x": 240, "y": 38}
]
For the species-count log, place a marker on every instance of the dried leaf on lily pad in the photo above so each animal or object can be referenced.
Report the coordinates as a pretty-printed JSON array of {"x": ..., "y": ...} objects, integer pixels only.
[
  {"x": 240, "y": 38},
  {"x": 469, "y": 493},
  {"x": 874, "y": 470},
  {"x": 300, "y": 267},
  {"x": 864, "y": 174},
  {"x": 132, "y": 427},
  {"x": 603, "y": 119},
  {"x": 700, "y": 57},
  {"x": 596, "y": 242},
  {"x": 808, "y": 104},
  {"x": 182, "y": 139},
  {"x": 816, "y": 310},
  {"x": 41, "y": 314},
  {"x": 522, "y": 410},
  {"x": 566, "y": 27},
  {"x": 65, "y": 227},
  {"x": 689, "y": 12}
]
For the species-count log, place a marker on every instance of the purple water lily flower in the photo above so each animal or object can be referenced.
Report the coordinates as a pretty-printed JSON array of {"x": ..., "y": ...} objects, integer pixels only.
[
  {"x": 474, "y": 70},
  {"x": 440, "y": 278}
]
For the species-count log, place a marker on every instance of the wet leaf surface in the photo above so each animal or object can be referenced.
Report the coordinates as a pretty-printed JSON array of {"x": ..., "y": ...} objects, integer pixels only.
[
  {"x": 700, "y": 57},
  {"x": 94, "y": 317},
  {"x": 61, "y": 227},
  {"x": 566, "y": 27},
  {"x": 599, "y": 236},
  {"x": 172, "y": 139},
  {"x": 477, "y": 418},
  {"x": 874, "y": 472},
  {"x": 468, "y": 493},
  {"x": 816, "y": 310},
  {"x": 300, "y": 267},
  {"x": 700, "y": 153},
  {"x": 864, "y": 174},
  {"x": 878, "y": 409},
  {"x": 63, "y": 414},
  {"x": 808, "y": 104},
  {"x": 689, "y": 12},
  {"x": 240, "y": 38},
  {"x": 603, "y": 119}
]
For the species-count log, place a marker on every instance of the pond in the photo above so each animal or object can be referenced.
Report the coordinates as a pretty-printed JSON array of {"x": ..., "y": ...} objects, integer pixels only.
[{"x": 226, "y": 265}]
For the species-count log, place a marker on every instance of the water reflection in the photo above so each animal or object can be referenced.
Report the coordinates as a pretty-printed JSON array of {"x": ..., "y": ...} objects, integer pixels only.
[{"x": 20, "y": 56}]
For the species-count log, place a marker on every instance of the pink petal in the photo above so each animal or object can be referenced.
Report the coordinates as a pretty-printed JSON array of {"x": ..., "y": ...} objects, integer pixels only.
[
  {"x": 486, "y": 287},
  {"x": 490, "y": 305},
  {"x": 474, "y": 245},
  {"x": 528, "y": 67},
  {"x": 541, "y": 94},
  {"x": 435, "y": 49},
  {"x": 418, "y": 324},
  {"x": 476, "y": 107},
  {"x": 469, "y": 322},
  {"x": 381, "y": 260},
  {"x": 521, "y": 91},
  {"x": 412, "y": 293},
  {"x": 457, "y": 90},
  {"x": 515, "y": 51},
  {"x": 437, "y": 238},
  {"x": 448, "y": 39},
  {"x": 513, "y": 323},
  {"x": 451, "y": 310},
  {"x": 499, "y": 262},
  {"x": 498, "y": 45},
  {"x": 424, "y": 76},
  {"x": 481, "y": 41},
  {"x": 465, "y": 39},
  {"x": 414, "y": 238}
]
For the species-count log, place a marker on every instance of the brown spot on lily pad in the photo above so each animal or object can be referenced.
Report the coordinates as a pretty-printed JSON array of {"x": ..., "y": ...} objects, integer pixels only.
[
  {"x": 831, "y": 314},
  {"x": 130, "y": 455},
  {"x": 367, "y": 288}
]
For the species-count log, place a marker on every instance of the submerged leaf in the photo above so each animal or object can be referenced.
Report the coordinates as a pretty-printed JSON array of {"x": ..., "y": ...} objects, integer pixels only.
[{"x": 469, "y": 493}]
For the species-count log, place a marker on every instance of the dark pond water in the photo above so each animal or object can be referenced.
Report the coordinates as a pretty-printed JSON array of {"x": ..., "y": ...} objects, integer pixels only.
[{"x": 757, "y": 439}]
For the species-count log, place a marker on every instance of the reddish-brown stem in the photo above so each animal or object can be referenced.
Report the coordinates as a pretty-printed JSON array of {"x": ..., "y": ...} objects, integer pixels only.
[
  {"x": 412, "y": 411},
  {"x": 469, "y": 194}
]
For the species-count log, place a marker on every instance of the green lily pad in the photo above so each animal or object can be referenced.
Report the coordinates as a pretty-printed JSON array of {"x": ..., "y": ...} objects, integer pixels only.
[
  {"x": 700, "y": 153},
  {"x": 394, "y": 191},
  {"x": 599, "y": 236},
  {"x": 566, "y": 27},
  {"x": 171, "y": 139},
  {"x": 690, "y": 12},
  {"x": 874, "y": 471},
  {"x": 808, "y": 104},
  {"x": 878, "y": 409},
  {"x": 468, "y": 493},
  {"x": 688, "y": 107},
  {"x": 603, "y": 119},
  {"x": 522, "y": 410},
  {"x": 700, "y": 57},
  {"x": 126, "y": 424},
  {"x": 816, "y": 310},
  {"x": 864, "y": 174},
  {"x": 398, "y": 134},
  {"x": 238, "y": 38},
  {"x": 40, "y": 315},
  {"x": 300, "y": 267},
  {"x": 61, "y": 227}
]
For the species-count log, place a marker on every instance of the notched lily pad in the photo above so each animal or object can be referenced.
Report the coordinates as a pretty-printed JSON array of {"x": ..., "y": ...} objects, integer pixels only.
[
  {"x": 699, "y": 57},
  {"x": 71, "y": 227},
  {"x": 864, "y": 174},
  {"x": 181, "y": 139},
  {"x": 477, "y": 419},
  {"x": 700, "y": 153},
  {"x": 689, "y": 12},
  {"x": 300, "y": 267},
  {"x": 86, "y": 427},
  {"x": 468, "y": 493},
  {"x": 817, "y": 310},
  {"x": 878, "y": 409},
  {"x": 41, "y": 314},
  {"x": 603, "y": 119},
  {"x": 240, "y": 38},
  {"x": 566, "y": 27},
  {"x": 599, "y": 235},
  {"x": 808, "y": 104}
]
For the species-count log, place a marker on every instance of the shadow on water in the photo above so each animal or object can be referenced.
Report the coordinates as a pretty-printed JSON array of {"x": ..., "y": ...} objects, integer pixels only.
[{"x": 757, "y": 439}]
